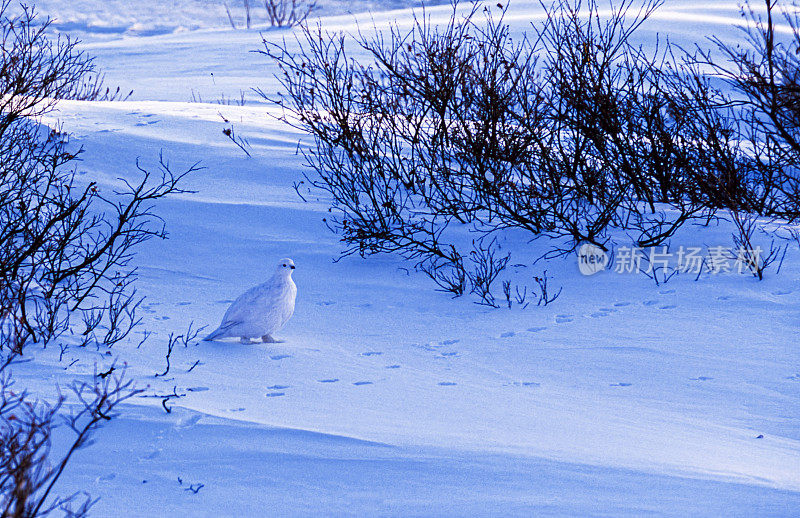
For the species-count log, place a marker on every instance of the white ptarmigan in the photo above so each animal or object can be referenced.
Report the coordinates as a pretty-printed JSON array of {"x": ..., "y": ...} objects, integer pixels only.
[{"x": 261, "y": 310}]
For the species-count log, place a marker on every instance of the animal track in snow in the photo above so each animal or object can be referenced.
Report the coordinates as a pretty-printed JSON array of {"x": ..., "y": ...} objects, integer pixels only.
[
  {"x": 280, "y": 356},
  {"x": 275, "y": 394},
  {"x": 603, "y": 312},
  {"x": 620, "y": 384},
  {"x": 278, "y": 387},
  {"x": 702, "y": 378},
  {"x": 446, "y": 383},
  {"x": 508, "y": 334},
  {"x": 392, "y": 366},
  {"x": 621, "y": 304},
  {"x": 188, "y": 421},
  {"x": 536, "y": 329},
  {"x": 371, "y": 353},
  {"x": 359, "y": 383},
  {"x": 650, "y": 302},
  {"x": 450, "y": 353},
  {"x": 331, "y": 380},
  {"x": 563, "y": 319},
  {"x": 449, "y": 342},
  {"x": 668, "y": 306}
]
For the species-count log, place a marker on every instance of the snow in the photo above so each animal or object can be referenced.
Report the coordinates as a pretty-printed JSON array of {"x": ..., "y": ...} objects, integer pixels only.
[
  {"x": 284, "y": 472},
  {"x": 620, "y": 398},
  {"x": 113, "y": 19}
]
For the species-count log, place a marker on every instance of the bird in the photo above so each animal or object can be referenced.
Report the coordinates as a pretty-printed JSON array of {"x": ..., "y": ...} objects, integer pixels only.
[{"x": 262, "y": 310}]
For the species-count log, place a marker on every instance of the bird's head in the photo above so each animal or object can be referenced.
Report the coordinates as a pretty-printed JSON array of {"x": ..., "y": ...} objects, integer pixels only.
[{"x": 285, "y": 268}]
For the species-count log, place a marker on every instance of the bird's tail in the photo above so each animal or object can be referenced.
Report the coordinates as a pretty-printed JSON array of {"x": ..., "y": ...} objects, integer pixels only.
[
  {"x": 219, "y": 333},
  {"x": 223, "y": 331}
]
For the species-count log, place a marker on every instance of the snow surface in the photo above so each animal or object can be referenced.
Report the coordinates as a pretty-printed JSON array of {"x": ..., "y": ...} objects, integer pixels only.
[
  {"x": 620, "y": 398},
  {"x": 111, "y": 19}
]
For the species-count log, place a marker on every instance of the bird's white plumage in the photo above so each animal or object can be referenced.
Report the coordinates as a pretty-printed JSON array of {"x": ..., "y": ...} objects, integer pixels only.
[{"x": 261, "y": 310}]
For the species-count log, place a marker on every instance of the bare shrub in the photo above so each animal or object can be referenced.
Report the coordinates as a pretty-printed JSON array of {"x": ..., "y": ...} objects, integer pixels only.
[
  {"x": 749, "y": 133},
  {"x": 571, "y": 131},
  {"x": 615, "y": 155},
  {"x": 29, "y": 468},
  {"x": 487, "y": 266},
  {"x": 545, "y": 296},
  {"x": 655, "y": 265},
  {"x": 230, "y": 16},
  {"x": 279, "y": 13},
  {"x": 748, "y": 252},
  {"x": 765, "y": 73},
  {"x": 288, "y": 13},
  {"x": 476, "y": 274},
  {"x": 183, "y": 339},
  {"x": 567, "y": 134},
  {"x": 66, "y": 247},
  {"x": 450, "y": 274},
  {"x": 393, "y": 137}
]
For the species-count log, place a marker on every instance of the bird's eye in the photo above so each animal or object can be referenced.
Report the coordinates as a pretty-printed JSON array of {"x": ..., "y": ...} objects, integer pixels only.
[{"x": 284, "y": 265}]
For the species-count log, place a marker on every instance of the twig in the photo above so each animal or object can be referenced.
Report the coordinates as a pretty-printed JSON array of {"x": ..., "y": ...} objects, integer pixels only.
[{"x": 230, "y": 18}]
